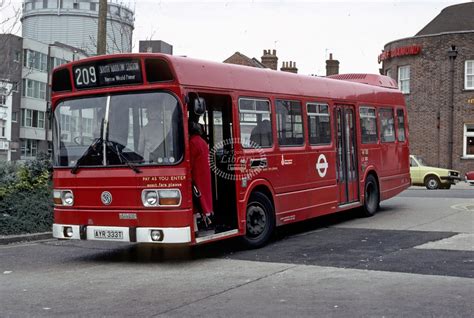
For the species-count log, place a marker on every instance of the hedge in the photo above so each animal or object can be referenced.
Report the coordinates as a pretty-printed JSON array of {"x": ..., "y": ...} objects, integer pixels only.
[{"x": 26, "y": 204}]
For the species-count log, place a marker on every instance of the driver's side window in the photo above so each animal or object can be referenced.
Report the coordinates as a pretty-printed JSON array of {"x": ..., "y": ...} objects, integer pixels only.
[{"x": 413, "y": 163}]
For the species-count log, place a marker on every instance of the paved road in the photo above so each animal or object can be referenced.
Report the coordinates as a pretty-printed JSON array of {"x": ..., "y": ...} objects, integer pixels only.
[{"x": 413, "y": 259}]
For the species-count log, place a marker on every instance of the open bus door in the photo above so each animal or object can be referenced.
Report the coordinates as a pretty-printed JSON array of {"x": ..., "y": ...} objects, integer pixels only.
[
  {"x": 217, "y": 122},
  {"x": 346, "y": 148}
]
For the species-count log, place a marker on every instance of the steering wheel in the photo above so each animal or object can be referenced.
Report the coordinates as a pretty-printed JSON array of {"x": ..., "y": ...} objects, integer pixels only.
[{"x": 79, "y": 140}]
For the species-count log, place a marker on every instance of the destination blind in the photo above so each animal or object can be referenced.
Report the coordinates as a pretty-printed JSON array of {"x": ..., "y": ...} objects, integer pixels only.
[{"x": 108, "y": 73}]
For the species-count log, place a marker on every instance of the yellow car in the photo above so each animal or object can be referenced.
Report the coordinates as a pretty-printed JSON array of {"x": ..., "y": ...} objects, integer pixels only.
[{"x": 431, "y": 177}]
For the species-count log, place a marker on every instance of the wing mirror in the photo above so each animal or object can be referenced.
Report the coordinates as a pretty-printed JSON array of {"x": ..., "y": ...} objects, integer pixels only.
[{"x": 199, "y": 106}]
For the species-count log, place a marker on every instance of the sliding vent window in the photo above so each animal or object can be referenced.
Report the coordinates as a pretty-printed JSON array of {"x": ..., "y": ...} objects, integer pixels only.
[
  {"x": 387, "y": 125},
  {"x": 255, "y": 123},
  {"x": 289, "y": 123},
  {"x": 368, "y": 125},
  {"x": 401, "y": 125},
  {"x": 319, "y": 124}
]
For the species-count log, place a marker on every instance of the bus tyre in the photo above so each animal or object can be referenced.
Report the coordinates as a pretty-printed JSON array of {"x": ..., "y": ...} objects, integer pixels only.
[
  {"x": 371, "y": 196},
  {"x": 432, "y": 183},
  {"x": 260, "y": 220}
]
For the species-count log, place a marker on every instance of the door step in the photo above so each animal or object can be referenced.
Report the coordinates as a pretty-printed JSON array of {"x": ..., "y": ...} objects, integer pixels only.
[
  {"x": 210, "y": 236},
  {"x": 349, "y": 205}
]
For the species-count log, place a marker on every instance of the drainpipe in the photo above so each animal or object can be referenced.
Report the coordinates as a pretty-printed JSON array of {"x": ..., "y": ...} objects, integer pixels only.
[{"x": 452, "y": 54}]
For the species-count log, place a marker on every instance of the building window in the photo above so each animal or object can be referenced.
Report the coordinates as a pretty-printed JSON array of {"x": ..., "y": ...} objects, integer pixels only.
[
  {"x": 32, "y": 118},
  {"x": 35, "y": 60},
  {"x": 2, "y": 129},
  {"x": 35, "y": 89},
  {"x": 17, "y": 56},
  {"x": 14, "y": 117},
  {"x": 388, "y": 73},
  {"x": 289, "y": 123},
  {"x": 404, "y": 79},
  {"x": 255, "y": 123},
  {"x": 469, "y": 75},
  {"x": 29, "y": 148},
  {"x": 368, "y": 125},
  {"x": 319, "y": 125},
  {"x": 3, "y": 97},
  {"x": 468, "y": 141}
]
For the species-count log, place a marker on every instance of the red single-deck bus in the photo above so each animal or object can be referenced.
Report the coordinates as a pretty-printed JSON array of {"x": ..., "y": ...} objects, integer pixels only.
[{"x": 283, "y": 147}]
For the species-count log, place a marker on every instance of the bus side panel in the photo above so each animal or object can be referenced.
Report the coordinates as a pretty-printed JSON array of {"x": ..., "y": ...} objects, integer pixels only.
[{"x": 316, "y": 196}]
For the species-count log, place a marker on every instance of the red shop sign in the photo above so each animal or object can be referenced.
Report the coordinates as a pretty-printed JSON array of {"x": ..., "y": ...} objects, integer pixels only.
[{"x": 399, "y": 51}]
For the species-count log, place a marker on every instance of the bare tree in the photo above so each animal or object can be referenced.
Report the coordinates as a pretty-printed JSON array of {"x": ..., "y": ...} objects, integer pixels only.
[
  {"x": 9, "y": 17},
  {"x": 9, "y": 26},
  {"x": 118, "y": 39}
]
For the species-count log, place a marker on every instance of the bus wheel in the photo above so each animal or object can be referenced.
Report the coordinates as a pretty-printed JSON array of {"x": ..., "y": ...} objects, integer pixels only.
[
  {"x": 260, "y": 220},
  {"x": 432, "y": 183},
  {"x": 371, "y": 196}
]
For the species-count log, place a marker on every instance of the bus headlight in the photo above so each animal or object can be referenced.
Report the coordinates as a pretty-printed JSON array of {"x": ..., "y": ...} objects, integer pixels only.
[
  {"x": 161, "y": 197},
  {"x": 150, "y": 198},
  {"x": 169, "y": 197},
  {"x": 67, "y": 198},
  {"x": 63, "y": 197}
]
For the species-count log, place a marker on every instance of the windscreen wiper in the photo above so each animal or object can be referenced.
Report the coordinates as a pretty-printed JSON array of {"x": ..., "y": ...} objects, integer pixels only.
[
  {"x": 110, "y": 146},
  {"x": 85, "y": 155}
]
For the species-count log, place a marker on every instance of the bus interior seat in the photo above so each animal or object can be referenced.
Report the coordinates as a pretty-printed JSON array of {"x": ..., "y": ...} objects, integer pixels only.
[{"x": 262, "y": 134}]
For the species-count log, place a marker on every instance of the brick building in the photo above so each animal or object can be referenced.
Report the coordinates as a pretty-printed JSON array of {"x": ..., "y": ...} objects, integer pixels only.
[{"x": 435, "y": 71}]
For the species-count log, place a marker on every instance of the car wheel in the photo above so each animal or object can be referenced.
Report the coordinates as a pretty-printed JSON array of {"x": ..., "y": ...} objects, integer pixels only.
[
  {"x": 371, "y": 196},
  {"x": 260, "y": 221},
  {"x": 432, "y": 183}
]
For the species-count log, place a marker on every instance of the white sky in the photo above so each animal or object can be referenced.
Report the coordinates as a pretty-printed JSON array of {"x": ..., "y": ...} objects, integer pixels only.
[{"x": 301, "y": 31}]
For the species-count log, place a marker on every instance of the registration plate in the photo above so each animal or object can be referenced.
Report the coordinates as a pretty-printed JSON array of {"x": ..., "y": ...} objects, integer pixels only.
[{"x": 108, "y": 234}]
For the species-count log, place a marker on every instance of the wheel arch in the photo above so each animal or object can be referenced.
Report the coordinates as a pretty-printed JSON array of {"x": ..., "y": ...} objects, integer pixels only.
[
  {"x": 431, "y": 174},
  {"x": 263, "y": 186}
]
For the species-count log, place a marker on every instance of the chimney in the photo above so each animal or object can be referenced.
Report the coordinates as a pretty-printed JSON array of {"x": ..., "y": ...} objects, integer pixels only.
[
  {"x": 269, "y": 59},
  {"x": 289, "y": 67},
  {"x": 332, "y": 66}
]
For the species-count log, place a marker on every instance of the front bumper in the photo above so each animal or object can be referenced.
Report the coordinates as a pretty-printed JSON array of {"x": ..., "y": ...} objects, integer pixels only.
[
  {"x": 169, "y": 235},
  {"x": 451, "y": 179}
]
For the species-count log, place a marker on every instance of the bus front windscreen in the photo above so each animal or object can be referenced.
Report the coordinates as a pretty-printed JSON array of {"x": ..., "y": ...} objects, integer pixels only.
[{"x": 122, "y": 129}]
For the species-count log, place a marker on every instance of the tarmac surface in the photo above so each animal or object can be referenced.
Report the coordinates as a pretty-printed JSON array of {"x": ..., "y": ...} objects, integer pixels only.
[{"x": 415, "y": 258}]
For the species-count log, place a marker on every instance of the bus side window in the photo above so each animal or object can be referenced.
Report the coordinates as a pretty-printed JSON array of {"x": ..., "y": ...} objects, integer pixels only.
[
  {"x": 401, "y": 125},
  {"x": 319, "y": 124},
  {"x": 368, "y": 125},
  {"x": 255, "y": 123},
  {"x": 289, "y": 123},
  {"x": 387, "y": 125}
]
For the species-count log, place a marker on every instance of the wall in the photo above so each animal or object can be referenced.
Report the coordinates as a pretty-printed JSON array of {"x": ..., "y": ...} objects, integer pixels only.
[{"x": 429, "y": 96}]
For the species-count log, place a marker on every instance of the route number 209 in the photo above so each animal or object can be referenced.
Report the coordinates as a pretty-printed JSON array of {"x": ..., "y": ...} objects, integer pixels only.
[{"x": 85, "y": 76}]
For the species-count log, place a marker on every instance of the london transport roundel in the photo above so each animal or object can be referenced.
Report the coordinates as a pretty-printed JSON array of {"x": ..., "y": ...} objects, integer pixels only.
[{"x": 322, "y": 165}]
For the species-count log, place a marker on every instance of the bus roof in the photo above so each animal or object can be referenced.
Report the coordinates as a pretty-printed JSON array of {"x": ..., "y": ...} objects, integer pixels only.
[{"x": 192, "y": 72}]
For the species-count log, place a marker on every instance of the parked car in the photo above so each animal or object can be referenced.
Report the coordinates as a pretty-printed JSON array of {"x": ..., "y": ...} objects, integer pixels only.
[
  {"x": 469, "y": 177},
  {"x": 431, "y": 177}
]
